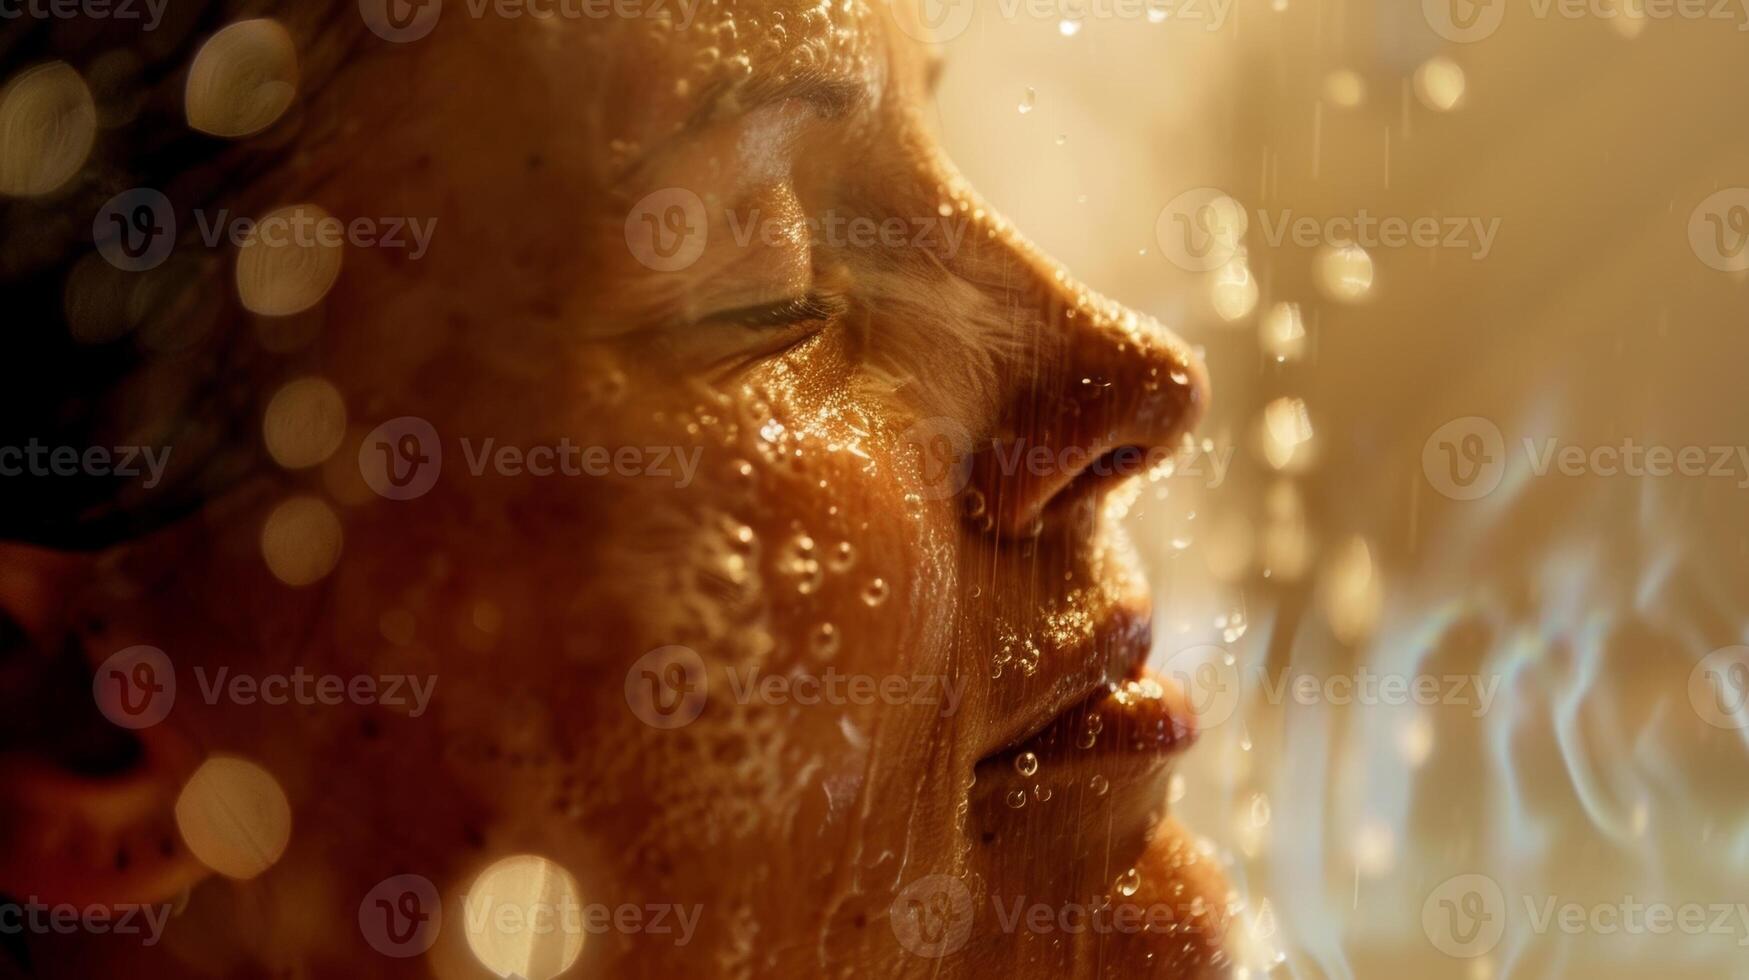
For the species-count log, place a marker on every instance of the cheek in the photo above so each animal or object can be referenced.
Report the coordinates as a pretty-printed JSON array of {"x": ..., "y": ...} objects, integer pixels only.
[{"x": 805, "y": 570}]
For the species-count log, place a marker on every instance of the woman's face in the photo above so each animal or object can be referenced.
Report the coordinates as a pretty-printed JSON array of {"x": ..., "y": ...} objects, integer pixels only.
[{"x": 772, "y": 566}]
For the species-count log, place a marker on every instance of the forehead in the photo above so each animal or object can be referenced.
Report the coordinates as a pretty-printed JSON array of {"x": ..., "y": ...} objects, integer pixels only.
[{"x": 641, "y": 71}]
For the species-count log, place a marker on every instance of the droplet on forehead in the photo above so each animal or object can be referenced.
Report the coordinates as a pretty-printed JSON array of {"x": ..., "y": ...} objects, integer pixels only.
[
  {"x": 242, "y": 80},
  {"x": 233, "y": 817},
  {"x": 525, "y": 918},
  {"x": 48, "y": 122},
  {"x": 289, "y": 260}
]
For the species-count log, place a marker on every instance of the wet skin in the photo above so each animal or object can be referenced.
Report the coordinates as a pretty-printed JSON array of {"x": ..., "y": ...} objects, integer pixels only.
[{"x": 827, "y": 388}]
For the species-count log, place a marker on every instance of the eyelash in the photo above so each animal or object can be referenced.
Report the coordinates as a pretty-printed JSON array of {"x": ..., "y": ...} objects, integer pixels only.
[{"x": 801, "y": 309}]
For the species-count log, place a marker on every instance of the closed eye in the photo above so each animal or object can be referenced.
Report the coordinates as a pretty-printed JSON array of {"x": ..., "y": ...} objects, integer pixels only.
[{"x": 799, "y": 309}]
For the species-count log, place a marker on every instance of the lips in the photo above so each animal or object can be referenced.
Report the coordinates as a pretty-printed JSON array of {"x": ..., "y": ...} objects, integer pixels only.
[{"x": 1123, "y": 732}]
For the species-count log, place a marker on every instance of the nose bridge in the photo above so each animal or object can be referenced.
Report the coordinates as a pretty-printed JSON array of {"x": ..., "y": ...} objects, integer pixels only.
[{"x": 1096, "y": 378}]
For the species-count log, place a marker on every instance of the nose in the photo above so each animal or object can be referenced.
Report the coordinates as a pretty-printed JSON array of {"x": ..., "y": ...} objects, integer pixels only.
[{"x": 1095, "y": 393}]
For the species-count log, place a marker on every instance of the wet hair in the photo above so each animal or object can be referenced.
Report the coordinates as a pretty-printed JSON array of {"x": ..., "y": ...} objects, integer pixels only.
[{"x": 98, "y": 356}]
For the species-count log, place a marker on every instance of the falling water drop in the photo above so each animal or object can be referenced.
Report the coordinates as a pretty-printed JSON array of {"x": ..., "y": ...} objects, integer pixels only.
[
  {"x": 1345, "y": 272},
  {"x": 1129, "y": 882},
  {"x": 1026, "y": 763},
  {"x": 1439, "y": 84},
  {"x": 1260, "y": 810}
]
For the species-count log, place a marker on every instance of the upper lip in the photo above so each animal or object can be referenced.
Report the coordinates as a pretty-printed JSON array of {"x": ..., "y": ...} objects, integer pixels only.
[{"x": 1121, "y": 645}]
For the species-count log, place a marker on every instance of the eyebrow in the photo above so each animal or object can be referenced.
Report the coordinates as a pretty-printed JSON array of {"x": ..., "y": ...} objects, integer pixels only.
[{"x": 832, "y": 97}]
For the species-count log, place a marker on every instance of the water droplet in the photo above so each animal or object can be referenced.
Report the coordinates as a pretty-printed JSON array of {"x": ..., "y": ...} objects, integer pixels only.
[
  {"x": 1016, "y": 798},
  {"x": 824, "y": 640},
  {"x": 1345, "y": 272},
  {"x": 1233, "y": 291},
  {"x": 843, "y": 557},
  {"x": 876, "y": 593},
  {"x": 1439, "y": 84},
  {"x": 1287, "y": 429},
  {"x": 49, "y": 117},
  {"x": 1129, "y": 883},
  {"x": 1283, "y": 332},
  {"x": 974, "y": 503},
  {"x": 799, "y": 562},
  {"x": 1041, "y": 793},
  {"x": 1099, "y": 785},
  {"x": 1028, "y": 100},
  {"x": 282, "y": 271},
  {"x": 1344, "y": 88},
  {"x": 1068, "y": 27},
  {"x": 242, "y": 79},
  {"x": 1026, "y": 763},
  {"x": 234, "y": 817}
]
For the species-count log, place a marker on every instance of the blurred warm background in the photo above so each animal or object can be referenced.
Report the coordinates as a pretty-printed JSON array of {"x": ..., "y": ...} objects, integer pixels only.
[{"x": 1369, "y": 392}]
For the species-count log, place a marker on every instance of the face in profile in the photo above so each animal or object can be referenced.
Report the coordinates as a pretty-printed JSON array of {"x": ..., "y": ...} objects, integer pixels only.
[{"x": 718, "y": 518}]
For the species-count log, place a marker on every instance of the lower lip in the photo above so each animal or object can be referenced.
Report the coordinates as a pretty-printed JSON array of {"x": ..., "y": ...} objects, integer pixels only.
[{"x": 1121, "y": 734}]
